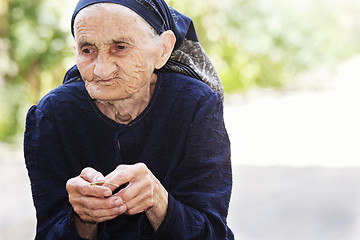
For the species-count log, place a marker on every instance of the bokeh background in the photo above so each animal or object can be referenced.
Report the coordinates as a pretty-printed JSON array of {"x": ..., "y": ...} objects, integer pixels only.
[{"x": 291, "y": 72}]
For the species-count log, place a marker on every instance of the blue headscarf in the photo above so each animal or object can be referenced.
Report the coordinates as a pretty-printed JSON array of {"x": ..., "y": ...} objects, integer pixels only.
[{"x": 188, "y": 56}]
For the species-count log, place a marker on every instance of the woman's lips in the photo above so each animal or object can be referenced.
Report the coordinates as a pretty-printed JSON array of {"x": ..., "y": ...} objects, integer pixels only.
[{"x": 106, "y": 82}]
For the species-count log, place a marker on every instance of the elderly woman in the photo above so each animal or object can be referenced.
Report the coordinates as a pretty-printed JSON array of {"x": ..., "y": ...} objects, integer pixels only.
[{"x": 132, "y": 145}]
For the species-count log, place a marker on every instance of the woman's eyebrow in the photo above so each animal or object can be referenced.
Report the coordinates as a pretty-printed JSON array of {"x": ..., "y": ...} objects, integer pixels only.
[
  {"x": 122, "y": 40},
  {"x": 85, "y": 43}
]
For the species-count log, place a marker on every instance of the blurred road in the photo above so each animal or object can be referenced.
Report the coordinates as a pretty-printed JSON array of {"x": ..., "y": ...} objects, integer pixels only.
[
  {"x": 295, "y": 203},
  {"x": 17, "y": 214}
]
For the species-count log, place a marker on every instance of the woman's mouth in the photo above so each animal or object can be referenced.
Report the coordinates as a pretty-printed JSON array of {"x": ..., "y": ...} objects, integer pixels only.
[{"x": 106, "y": 82}]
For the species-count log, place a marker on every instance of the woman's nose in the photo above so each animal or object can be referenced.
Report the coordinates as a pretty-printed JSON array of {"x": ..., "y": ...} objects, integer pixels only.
[{"x": 104, "y": 66}]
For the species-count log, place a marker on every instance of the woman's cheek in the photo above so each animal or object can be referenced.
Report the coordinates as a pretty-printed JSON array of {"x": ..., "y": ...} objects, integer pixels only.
[
  {"x": 85, "y": 70},
  {"x": 138, "y": 67},
  {"x": 89, "y": 90}
]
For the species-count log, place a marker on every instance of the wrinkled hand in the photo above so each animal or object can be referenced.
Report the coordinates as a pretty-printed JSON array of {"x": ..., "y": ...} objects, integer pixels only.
[
  {"x": 93, "y": 204},
  {"x": 144, "y": 192}
]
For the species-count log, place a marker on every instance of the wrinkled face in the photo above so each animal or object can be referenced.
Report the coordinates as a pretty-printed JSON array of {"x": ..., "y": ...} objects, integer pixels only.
[{"x": 116, "y": 51}]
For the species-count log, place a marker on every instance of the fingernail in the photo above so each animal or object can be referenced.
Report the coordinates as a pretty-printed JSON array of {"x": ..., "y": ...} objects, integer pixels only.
[
  {"x": 107, "y": 193},
  {"x": 122, "y": 208},
  {"x": 118, "y": 202}
]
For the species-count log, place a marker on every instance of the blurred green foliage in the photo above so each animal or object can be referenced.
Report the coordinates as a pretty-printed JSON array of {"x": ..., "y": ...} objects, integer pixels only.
[
  {"x": 253, "y": 43},
  {"x": 265, "y": 43},
  {"x": 32, "y": 46},
  {"x": 37, "y": 43}
]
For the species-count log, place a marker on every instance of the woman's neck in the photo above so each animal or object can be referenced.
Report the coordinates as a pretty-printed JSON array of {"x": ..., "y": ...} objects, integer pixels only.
[{"x": 125, "y": 110}]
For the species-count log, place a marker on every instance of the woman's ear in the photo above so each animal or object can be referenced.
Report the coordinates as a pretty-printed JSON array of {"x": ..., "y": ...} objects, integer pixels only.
[{"x": 167, "y": 41}]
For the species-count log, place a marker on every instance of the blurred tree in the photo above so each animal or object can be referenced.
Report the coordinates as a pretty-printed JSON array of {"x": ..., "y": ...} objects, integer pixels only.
[
  {"x": 33, "y": 47},
  {"x": 262, "y": 43},
  {"x": 224, "y": 30}
]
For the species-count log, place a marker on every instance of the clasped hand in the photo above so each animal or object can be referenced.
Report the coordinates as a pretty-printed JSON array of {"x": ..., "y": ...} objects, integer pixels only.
[{"x": 97, "y": 203}]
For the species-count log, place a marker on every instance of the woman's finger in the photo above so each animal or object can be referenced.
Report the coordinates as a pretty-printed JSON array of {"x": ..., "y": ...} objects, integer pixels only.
[
  {"x": 91, "y": 175},
  {"x": 126, "y": 174},
  {"x": 78, "y": 186},
  {"x": 140, "y": 203},
  {"x": 139, "y": 194},
  {"x": 92, "y": 208}
]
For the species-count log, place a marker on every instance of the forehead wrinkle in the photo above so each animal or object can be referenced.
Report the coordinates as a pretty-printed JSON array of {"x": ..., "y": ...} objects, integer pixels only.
[
  {"x": 119, "y": 10},
  {"x": 83, "y": 40},
  {"x": 82, "y": 30},
  {"x": 87, "y": 32}
]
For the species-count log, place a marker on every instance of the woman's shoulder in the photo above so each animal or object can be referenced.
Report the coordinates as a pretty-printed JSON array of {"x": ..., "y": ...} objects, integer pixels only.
[
  {"x": 181, "y": 86},
  {"x": 65, "y": 96}
]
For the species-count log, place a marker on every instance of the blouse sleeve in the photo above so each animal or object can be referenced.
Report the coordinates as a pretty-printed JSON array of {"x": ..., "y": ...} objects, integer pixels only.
[
  {"x": 201, "y": 186},
  {"x": 48, "y": 174}
]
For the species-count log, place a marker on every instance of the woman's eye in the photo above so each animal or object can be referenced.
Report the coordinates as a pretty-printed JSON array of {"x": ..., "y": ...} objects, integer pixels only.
[
  {"x": 121, "y": 47},
  {"x": 86, "y": 50},
  {"x": 118, "y": 49}
]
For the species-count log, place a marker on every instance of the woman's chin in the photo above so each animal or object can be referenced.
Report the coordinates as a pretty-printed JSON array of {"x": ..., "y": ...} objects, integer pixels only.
[{"x": 107, "y": 95}]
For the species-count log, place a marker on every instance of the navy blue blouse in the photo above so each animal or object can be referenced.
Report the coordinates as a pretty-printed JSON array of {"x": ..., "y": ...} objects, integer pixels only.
[{"x": 180, "y": 136}]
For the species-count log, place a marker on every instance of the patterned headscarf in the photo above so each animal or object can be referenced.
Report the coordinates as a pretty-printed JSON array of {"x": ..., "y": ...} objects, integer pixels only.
[{"x": 188, "y": 56}]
